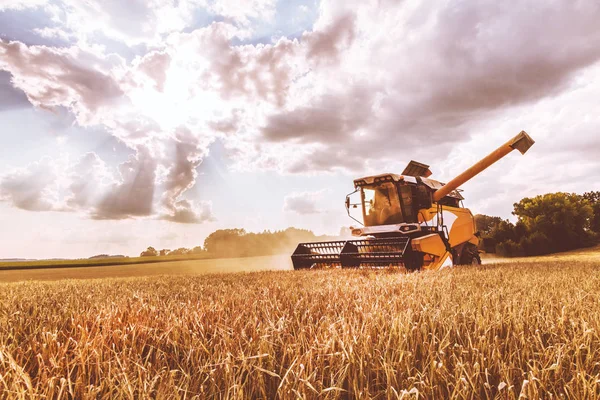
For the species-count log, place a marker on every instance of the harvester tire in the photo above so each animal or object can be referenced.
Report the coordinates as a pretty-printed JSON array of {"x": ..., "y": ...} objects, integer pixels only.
[
  {"x": 470, "y": 255},
  {"x": 413, "y": 261}
]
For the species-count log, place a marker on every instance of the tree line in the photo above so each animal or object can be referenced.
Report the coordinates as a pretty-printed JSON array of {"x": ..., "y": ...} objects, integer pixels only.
[
  {"x": 545, "y": 224},
  {"x": 239, "y": 243}
]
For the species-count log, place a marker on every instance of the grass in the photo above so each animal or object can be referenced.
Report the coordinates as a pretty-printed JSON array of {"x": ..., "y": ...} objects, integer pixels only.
[{"x": 503, "y": 331}]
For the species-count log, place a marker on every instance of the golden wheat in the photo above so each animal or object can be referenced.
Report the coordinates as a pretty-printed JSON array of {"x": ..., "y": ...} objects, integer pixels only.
[{"x": 497, "y": 332}]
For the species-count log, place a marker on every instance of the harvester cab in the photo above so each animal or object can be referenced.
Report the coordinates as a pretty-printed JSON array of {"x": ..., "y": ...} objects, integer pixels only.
[{"x": 408, "y": 220}]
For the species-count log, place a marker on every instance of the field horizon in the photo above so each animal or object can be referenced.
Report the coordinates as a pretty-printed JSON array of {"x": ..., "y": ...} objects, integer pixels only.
[{"x": 202, "y": 265}]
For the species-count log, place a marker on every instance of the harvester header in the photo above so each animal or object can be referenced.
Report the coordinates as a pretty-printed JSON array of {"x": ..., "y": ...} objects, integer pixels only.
[{"x": 409, "y": 220}]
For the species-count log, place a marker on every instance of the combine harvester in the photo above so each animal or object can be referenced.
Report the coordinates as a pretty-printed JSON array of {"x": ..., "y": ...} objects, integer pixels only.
[{"x": 409, "y": 220}]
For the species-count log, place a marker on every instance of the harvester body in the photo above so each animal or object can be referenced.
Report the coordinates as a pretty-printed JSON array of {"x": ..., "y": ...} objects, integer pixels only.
[{"x": 409, "y": 220}]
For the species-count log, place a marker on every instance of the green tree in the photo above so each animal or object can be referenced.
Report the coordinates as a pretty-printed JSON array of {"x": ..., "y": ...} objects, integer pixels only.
[
  {"x": 560, "y": 220},
  {"x": 485, "y": 224},
  {"x": 493, "y": 230},
  {"x": 503, "y": 231}
]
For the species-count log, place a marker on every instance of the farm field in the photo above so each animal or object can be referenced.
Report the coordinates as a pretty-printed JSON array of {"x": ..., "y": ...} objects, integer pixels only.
[
  {"x": 160, "y": 266},
  {"x": 90, "y": 262},
  {"x": 502, "y": 331},
  {"x": 183, "y": 267}
]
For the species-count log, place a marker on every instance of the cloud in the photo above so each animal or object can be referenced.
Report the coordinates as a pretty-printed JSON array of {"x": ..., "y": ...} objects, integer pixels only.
[
  {"x": 303, "y": 203},
  {"x": 330, "y": 119},
  {"x": 372, "y": 85},
  {"x": 154, "y": 65},
  {"x": 242, "y": 72},
  {"x": 406, "y": 74},
  {"x": 89, "y": 178},
  {"x": 187, "y": 212},
  {"x": 52, "y": 77},
  {"x": 32, "y": 188},
  {"x": 181, "y": 177},
  {"x": 89, "y": 186},
  {"x": 11, "y": 98},
  {"x": 140, "y": 22},
  {"x": 243, "y": 11},
  {"x": 86, "y": 186},
  {"x": 327, "y": 43},
  {"x": 20, "y": 4},
  {"x": 132, "y": 22},
  {"x": 132, "y": 195}
]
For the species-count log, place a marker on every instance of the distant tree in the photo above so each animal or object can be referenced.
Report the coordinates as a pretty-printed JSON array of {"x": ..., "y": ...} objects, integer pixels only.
[
  {"x": 149, "y": 252},
  {"x": 198, "y": 250},
  {"x": 164, "y": 252},
  {"x": 222, "y": 241},
  {"x": 99, "y": 256},
  {"x": 180, "y": 251},
  {"x": 239, "y": 243}
]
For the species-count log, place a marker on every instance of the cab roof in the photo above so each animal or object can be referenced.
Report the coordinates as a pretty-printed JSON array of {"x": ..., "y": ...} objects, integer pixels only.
[{"x": 389, "y": 177}]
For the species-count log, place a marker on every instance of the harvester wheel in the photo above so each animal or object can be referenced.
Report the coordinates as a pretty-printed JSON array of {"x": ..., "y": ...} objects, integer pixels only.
[
  {"x": 470, "y": 255},
  {"x": 413, "y": 261}
]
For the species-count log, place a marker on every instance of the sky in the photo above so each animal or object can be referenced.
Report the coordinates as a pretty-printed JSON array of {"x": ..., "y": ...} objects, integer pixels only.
[{"x": 144, "y": 123}]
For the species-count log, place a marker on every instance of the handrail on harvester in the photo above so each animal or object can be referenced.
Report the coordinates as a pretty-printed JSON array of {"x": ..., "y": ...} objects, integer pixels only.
[{"x": 521, "y": 142}]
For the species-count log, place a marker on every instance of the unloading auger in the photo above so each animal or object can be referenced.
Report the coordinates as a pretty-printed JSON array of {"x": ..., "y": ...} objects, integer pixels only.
[{"x": 409, "y": 220}]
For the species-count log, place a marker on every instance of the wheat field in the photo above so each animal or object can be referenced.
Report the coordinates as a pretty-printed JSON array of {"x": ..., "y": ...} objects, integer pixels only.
[{"x": 522, "y": 330}]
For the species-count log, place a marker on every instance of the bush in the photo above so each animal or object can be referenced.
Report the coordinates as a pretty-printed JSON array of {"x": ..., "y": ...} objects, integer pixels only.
[
  {"x": 535, "y": 244},
  {"x": 509, "y": 249}
]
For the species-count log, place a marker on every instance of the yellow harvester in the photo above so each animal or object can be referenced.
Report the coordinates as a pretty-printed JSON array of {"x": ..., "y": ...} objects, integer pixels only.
[{"x": 408, "y": 220}]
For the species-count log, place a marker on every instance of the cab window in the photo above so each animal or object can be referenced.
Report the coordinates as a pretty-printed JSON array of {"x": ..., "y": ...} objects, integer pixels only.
[
  {"x": 381, "y": 205},
  {"x": 406, "y": 199}
]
